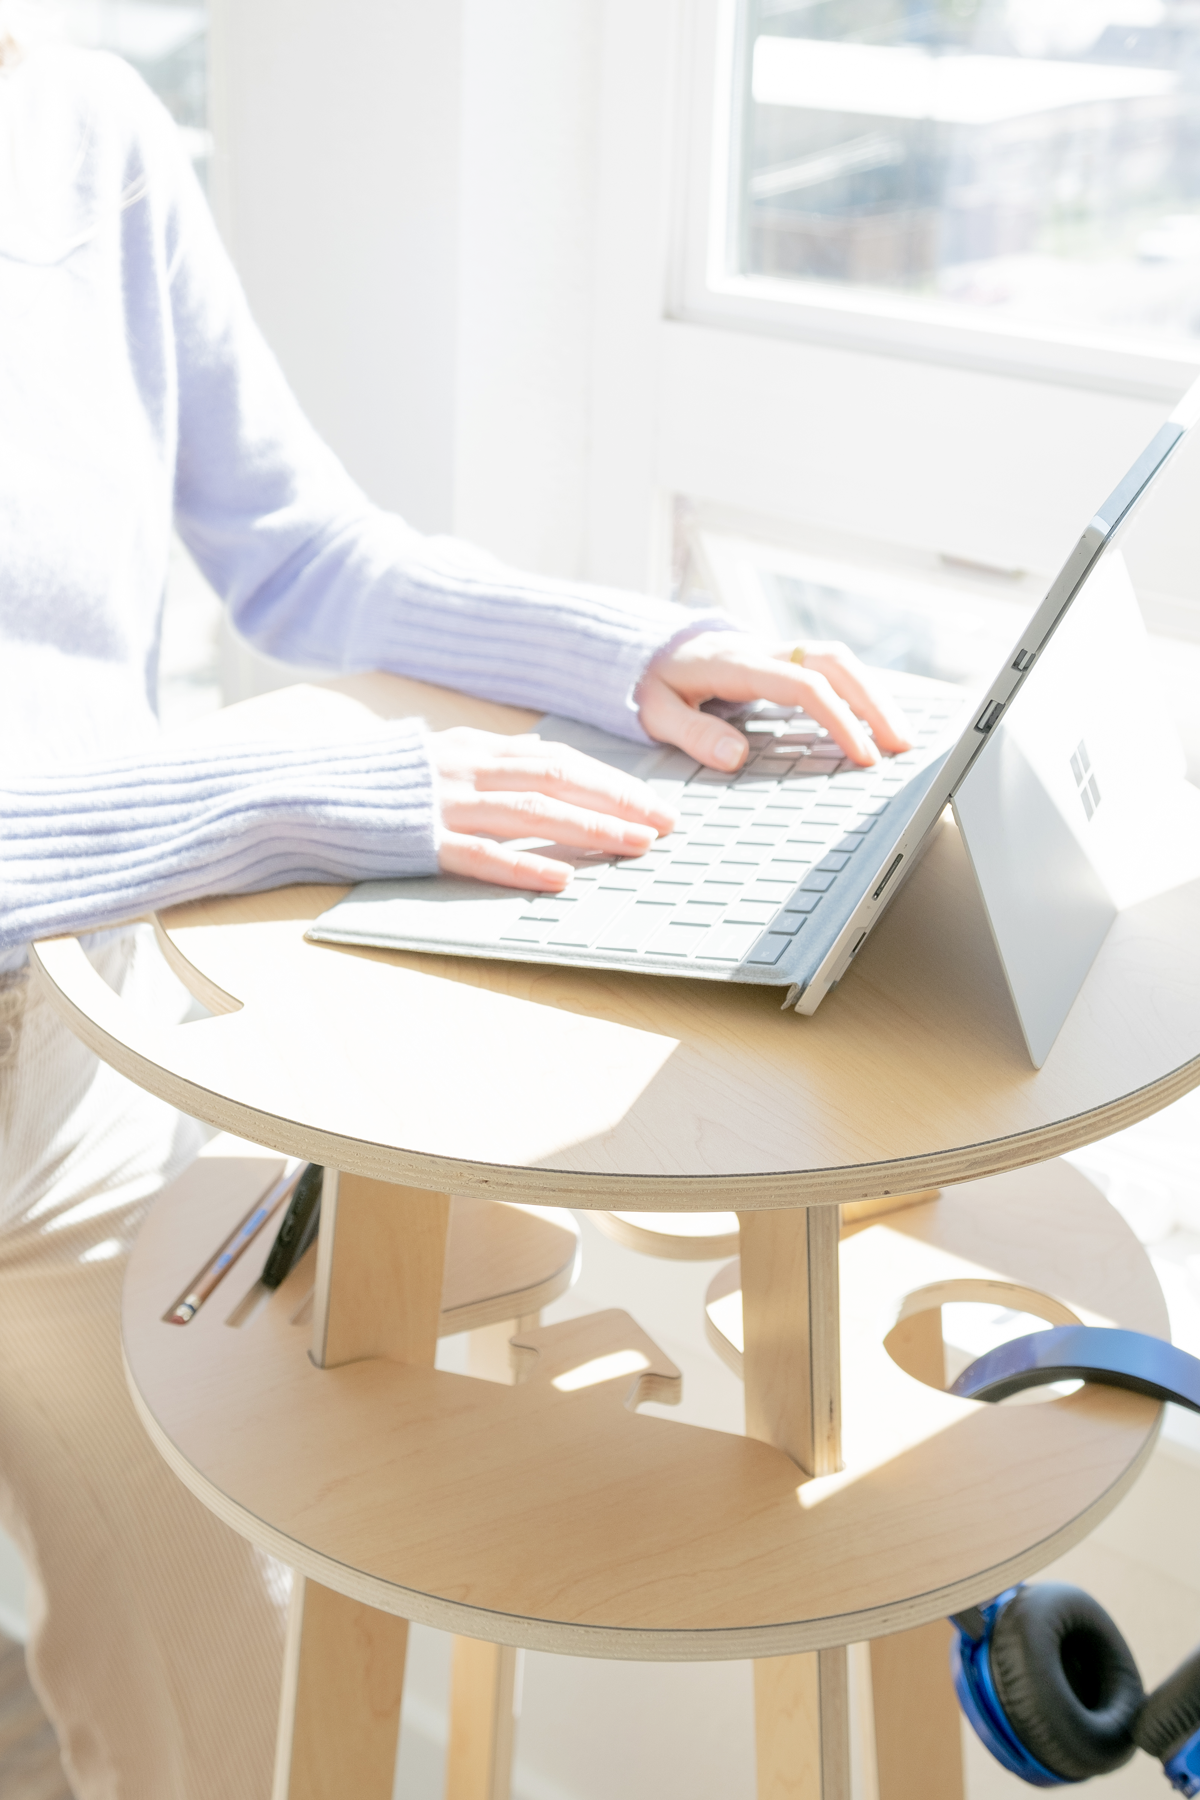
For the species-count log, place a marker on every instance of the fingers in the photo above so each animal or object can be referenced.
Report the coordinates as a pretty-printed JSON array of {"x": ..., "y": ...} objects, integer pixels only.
[
  {"x": 823, "y": 703},
  {"x": 579, "y": 780},
  {"x": 671, "y": 719},
  {"x": 483, "y": 861},
  {"x": 666, "y": 715},
  {"x": 533, "y": 815},
  {"x": 852, "y": 681},
  {"x": 831, "y": 685}
]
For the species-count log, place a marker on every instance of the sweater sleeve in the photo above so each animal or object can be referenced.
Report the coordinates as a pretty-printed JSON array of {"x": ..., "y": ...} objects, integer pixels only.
[
  {"x": 83, "y": 849},
  {"x": 314, "y": 574}
]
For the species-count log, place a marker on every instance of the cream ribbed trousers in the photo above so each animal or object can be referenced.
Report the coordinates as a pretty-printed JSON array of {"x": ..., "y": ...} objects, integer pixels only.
[{"x": 157, "y": 1632}]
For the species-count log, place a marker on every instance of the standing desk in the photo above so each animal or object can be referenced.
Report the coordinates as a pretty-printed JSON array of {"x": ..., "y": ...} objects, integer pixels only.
[{"x": 564, "y": 1521}]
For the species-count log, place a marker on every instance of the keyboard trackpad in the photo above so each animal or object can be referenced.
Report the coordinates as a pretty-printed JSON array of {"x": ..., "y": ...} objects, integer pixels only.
[{"x": 442, "y": 909}]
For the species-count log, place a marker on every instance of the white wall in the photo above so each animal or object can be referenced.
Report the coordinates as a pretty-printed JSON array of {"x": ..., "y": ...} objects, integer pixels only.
[
  {"x": 526, "y": 293},
  {"x": 336, "y": 175},
  {"x": 409, "y": 193}
]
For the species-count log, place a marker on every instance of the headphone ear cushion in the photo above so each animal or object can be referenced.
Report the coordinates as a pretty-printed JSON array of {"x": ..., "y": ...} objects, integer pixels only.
[
  {"x": 1066, "y": 1679},
  {"x": 1172, "y": 1712}
]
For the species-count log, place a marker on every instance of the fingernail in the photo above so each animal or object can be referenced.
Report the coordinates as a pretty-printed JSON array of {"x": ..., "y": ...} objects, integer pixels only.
[{"x": 728, "y": 752}]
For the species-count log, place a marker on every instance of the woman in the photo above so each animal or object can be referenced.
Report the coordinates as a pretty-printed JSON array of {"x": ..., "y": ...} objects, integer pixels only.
[{"x": 135, "y": 391}]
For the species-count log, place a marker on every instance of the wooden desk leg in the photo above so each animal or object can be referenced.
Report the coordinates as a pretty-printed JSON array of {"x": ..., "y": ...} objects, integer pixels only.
[
  {"x": 379, "y": 1290},
  {"x": 792, "y": 1364},
  {"x": 344, "y": 1663},
  {"x": 482, "y": 1721},
  {"x": 918, "y": 1734},
  {"x": 485, "y": 1680}
]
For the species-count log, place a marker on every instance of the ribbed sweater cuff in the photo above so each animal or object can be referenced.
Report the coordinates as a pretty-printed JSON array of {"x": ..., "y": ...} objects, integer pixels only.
[
  {"x": 446, "y": 613},
  {"x": 84, "y": 849}
]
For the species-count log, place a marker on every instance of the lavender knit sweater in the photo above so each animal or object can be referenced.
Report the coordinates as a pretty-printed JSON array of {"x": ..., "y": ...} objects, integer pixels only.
[{"x": 135, "y": 390}]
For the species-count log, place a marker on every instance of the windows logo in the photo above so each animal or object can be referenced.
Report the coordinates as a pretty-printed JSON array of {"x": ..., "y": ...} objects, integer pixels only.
[{"x": 1085, "y": 780}]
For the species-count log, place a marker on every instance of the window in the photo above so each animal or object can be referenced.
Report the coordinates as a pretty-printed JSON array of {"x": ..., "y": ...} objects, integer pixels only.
[{"x": 956, "y": 171}]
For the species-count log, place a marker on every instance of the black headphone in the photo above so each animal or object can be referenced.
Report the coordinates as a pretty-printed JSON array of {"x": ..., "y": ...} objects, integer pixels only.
[{"x": 1046, "y": 1679}]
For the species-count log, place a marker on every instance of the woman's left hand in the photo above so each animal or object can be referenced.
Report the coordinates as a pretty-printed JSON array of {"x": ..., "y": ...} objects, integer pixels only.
[{"x": 832, "y": 686}]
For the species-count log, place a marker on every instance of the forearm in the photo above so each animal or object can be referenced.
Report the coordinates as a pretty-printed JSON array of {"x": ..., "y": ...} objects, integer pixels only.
[
  {"x": 84, "y": 849},
  {"x": 376, "y": 594}
]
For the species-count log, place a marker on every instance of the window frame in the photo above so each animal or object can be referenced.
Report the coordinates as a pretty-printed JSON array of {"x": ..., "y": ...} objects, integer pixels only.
[{"x": 703, "y": 292}]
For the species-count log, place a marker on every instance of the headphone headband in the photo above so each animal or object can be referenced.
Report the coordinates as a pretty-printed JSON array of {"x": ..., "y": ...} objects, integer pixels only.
[{"x": 1125, "y": 1359}]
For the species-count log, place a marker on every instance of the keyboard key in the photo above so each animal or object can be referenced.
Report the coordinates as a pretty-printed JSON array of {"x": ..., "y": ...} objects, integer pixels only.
[
  {"x": 624, "y": 881},
  {"x": 789, "y": 923},
  {"x": 526, "y": 931},
  {"x": 847, "y": 846},
  {"x": 768, "y": 888},
  {"x": 635, "y": 926},
  {"x": 801, "y": 903},
  {"x": 679, "y": 937},
  {"x": 770, "y": 950},
  {"x": 860, "y": 827},
  {"x": 817, "y": 884},
  {"x": 652, "y": 861},
  {"x": 729, "y": 943},
  {"x": 710, "y": 778},
  {"x": 832, "y": 865},
  {"x": 695, "y": 862},
  {"x": 752, "y": 912},
  {"x": 674, "y": 885}
]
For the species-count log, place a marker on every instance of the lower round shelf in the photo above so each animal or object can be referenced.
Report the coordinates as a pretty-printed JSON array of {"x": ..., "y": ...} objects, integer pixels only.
[{"x": 562, "y": 1521}]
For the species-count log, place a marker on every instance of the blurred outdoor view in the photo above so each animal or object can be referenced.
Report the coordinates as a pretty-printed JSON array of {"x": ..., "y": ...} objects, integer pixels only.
[
  {"x": 1035, "y": 160},
  {"x": 165, "y": 40}
]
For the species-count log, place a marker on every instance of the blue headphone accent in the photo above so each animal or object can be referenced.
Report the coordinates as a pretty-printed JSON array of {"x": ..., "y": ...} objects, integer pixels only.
[
  {"x": 1125, "y": 1359},
  {"x": 1183, "y": 1769},
  {"x": 1114, "y": 1358},
  {"x": 970, "y": 1666}
]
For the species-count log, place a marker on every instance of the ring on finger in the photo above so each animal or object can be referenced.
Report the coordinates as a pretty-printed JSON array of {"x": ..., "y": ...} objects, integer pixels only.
[{"x": 797, "y": 655}]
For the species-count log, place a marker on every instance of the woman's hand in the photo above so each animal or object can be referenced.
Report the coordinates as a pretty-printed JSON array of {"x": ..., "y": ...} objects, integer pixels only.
[
  {"x": 494, "y": 788},
  {"x": 519, "y": 787},
  {"x": 830, "y": 684}
]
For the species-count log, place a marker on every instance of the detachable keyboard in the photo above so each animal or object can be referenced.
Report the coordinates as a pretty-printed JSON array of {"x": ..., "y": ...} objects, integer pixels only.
[{"x": 762, "y": 862}]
